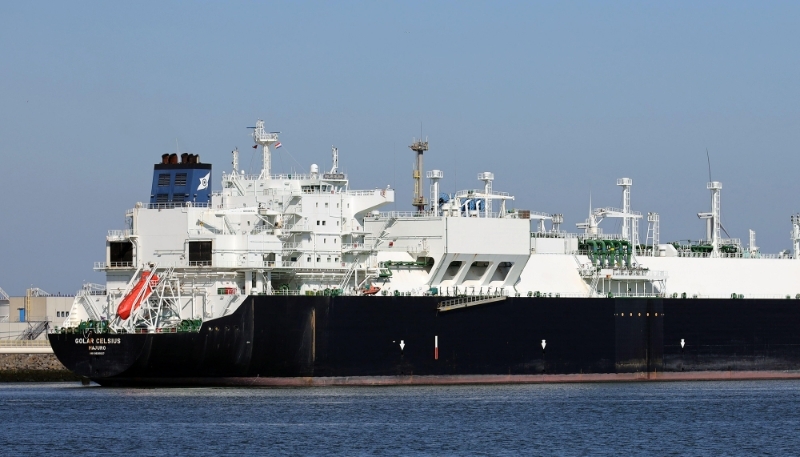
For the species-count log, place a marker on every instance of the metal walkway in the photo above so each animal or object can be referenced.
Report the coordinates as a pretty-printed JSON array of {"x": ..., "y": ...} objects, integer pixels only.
[{"x": 464, "y": 302}]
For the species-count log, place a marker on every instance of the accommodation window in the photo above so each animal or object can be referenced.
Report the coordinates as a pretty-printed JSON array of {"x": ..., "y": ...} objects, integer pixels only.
[
  {"x": 326, "y": 205},
  {"x": 323, "y": 222},
  {"x": 317, "y": 222},
  {"x": 199, "y": 253},
  {"x": 163, "y": 179},
  {"x": 119, "y": 252},
  {"x": 317, "y": 205},
  {"x": 180, "y": 179},
  {"x": 318, "y": 259},
  {"x": 308, "y": 259}
]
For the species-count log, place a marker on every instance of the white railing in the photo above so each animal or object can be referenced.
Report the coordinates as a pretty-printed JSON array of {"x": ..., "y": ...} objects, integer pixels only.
[
  {"x": 623, "y": 273},
  {"x": 176, "y": 205},
  {"x": 361, "y": 193},
  {"x": 119, "y": 234},
  {"x": 738, "y": 255},
  {"x": 611, "y": 209},
  {"x": 599, "y": 236},
  {"x": 107, "y": 265},
  {"x": 475, "y": 193},
  {"x": 554, "y": 235}
]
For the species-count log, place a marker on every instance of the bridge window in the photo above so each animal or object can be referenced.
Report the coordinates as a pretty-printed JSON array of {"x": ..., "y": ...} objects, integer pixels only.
[
  {"x": 120, "y": 253},
  {"x": 199, "y": 253}
]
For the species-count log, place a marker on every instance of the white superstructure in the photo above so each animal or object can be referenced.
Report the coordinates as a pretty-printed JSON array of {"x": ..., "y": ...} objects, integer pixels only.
[{"x": 310, "y": 233}]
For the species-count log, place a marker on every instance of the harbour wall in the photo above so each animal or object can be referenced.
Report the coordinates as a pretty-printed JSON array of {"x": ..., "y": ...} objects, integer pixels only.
[{"x": 26, "y": 367}]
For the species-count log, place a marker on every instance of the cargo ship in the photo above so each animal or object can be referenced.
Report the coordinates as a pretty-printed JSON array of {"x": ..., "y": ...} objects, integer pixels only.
[{"x": 298, "y": 279}]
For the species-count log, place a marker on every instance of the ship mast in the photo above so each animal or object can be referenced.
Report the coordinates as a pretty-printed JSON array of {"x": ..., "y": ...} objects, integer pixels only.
[
  {"x": 419, "y": 147},
  {"x": 265, "y": 140}
]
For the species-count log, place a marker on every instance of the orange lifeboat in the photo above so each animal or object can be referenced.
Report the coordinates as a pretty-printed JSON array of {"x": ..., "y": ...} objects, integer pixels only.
[
  {"x": 371, "y": 291},
  {"x": 140, "y": 292}
]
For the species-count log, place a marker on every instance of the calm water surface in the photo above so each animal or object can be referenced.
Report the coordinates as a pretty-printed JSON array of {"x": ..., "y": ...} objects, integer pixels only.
[{"x": 700, "y": 418}]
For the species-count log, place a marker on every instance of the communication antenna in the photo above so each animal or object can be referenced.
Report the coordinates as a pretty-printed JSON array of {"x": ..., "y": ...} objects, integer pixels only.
[{"x": 709, "y": 165}]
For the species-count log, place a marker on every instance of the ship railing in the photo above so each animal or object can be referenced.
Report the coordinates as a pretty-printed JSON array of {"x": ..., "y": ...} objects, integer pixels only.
[
  {"x": 119, "y": 234},
  {"x": 109, "y": 265},
  {"x": 287, "y": 292},
  {"x": 611, "y": 209},
  {"x": 365, "y": 193},
  {"x": 599, "y": 236},
  {"x": 609, "y": 272},
  {"x": 479, "y": 193},
  {"x": 732, "y": 296},
  {"x": 346, "y": 247},
  {"x": 173, "y": 205},
  {"x": 156, "y": 330},
  {"x": 553, "y": 235},
  {"x": 732, "y": 255}
]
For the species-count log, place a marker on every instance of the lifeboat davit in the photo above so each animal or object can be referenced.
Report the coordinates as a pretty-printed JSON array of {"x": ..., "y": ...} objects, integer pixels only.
[
  {"x": 371, "y": 291},
  {"x": 140, "y": 292}
]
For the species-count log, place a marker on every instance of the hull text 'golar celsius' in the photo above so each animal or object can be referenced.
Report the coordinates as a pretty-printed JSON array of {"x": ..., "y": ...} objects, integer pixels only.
[{"x": 297, "y": 279}]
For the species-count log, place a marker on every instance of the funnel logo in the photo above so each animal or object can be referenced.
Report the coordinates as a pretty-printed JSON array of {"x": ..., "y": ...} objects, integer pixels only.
[{"x": 204, "y": 181}]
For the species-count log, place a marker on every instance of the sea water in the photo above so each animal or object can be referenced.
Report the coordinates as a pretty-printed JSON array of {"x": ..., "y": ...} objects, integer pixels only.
[{"x": 637, "y": 418}]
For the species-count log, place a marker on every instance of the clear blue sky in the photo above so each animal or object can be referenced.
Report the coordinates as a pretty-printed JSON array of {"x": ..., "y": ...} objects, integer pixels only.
[{"x": 558, "y": 99}]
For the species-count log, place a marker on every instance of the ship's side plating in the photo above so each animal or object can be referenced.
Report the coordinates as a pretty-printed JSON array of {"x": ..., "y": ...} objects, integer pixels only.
[
  {"x": 273, "y": 340},
  {"x": 293, "y": 278}
]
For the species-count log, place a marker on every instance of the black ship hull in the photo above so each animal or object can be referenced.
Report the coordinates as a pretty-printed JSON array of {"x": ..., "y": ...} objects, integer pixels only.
[{"x": 305, "y": 340}]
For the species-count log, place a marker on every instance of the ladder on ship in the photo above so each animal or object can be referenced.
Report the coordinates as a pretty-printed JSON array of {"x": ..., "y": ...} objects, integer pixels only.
[
  {"x": 34, "y": 330},
  {"x": 465, "y": 302},
  {"x": 389, "y": 222}
]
